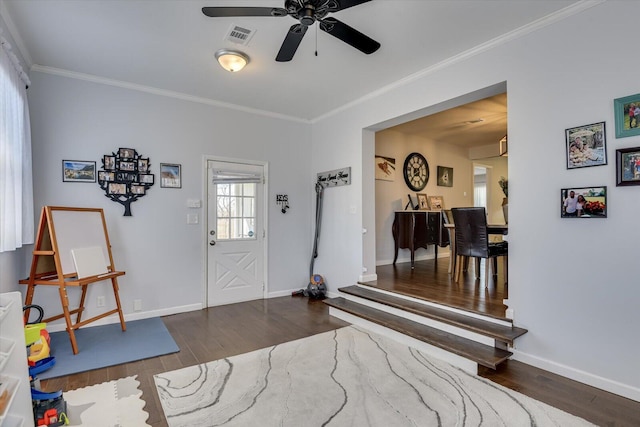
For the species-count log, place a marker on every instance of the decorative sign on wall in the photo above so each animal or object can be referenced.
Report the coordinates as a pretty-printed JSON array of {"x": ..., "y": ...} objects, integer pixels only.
[
  {"x": 335, "y": 177},
  {"x": 125, "y": 177}
]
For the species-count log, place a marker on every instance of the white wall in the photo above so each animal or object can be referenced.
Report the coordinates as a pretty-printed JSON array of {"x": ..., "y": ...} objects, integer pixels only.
[
  {"x": 571, "y": 281},
  {"x": 161, "y": 254}
]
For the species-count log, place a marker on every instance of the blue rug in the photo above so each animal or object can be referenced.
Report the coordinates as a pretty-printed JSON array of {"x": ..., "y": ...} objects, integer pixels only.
[{"x": 108, "y": 345}]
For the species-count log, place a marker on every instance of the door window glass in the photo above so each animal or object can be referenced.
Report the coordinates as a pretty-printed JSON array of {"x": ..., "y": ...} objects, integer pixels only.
[{"x": 236, "y": 211}]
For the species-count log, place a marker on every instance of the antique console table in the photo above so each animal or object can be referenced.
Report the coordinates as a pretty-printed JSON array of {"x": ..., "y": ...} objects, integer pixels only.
[{"x": 418, "y": 229}]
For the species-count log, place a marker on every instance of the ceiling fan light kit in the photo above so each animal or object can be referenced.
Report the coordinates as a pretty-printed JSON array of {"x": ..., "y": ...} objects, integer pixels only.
[
  {"x": 232, "y": 60},
  {"x": 307, "y": 13}
]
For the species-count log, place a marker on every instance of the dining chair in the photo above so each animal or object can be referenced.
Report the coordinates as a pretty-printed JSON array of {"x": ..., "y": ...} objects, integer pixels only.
[
  {"x": 447, "y": 218},
  {"x": 472, "y": 240}
]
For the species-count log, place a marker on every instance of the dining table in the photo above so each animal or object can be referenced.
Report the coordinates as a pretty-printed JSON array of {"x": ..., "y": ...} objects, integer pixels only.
[{"x": 500, "y": 229}]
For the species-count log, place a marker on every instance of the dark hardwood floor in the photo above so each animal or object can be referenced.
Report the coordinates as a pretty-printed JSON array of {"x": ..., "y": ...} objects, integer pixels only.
[
  {"x": 214, "y": 333},
  {"x": 431, "y": 281}
]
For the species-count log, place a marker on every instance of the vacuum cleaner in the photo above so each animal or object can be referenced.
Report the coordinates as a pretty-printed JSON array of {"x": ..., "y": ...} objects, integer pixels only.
[{"x": 317, "y": 288}]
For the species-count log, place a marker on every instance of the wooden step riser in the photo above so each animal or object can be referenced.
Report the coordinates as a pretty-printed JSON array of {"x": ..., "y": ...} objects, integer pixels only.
[
  {"x": 474, "y": 315},
  {"x": 482, "y": 339},
  {"x": 459, "y": 361}
]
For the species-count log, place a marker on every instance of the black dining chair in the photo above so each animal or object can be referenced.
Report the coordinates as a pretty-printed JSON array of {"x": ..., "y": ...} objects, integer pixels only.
[{"x": 472, "y": 240}]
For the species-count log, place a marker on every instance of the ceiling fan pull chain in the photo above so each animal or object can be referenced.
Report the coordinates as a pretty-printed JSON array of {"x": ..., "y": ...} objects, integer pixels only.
[{"x": 316, "y": 26}]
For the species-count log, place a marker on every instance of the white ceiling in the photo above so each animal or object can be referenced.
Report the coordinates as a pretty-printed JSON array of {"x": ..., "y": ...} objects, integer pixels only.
[{"x": 169, "y": 45}]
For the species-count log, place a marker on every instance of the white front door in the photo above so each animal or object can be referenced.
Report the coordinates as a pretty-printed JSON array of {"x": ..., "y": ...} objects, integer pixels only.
[{"x": 235, "y": 228}]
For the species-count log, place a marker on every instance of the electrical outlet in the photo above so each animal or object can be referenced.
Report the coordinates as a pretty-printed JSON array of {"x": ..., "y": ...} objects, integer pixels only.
[
  {"x": 100, "y": 302},
  {"x": 137, "y": 305}
]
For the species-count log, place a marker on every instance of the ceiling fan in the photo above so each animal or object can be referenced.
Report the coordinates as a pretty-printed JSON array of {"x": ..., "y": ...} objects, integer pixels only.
[{"x": 308, "y": 12}]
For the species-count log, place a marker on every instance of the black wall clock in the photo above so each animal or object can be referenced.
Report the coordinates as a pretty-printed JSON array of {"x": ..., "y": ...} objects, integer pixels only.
[{"x": 416, "y": 171}]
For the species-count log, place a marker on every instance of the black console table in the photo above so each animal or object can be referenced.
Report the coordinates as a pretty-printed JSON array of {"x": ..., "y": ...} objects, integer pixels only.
[{"x": 418, "y": 229}]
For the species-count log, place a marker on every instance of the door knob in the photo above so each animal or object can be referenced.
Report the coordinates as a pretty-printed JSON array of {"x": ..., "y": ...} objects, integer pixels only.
[{"x": 212, "y": 243}]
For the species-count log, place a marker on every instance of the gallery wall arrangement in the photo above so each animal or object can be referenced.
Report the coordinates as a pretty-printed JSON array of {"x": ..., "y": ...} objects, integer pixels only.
[{"x": 586, "y": 146}]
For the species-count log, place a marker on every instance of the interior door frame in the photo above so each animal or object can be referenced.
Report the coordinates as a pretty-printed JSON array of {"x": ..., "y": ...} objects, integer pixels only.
[{"x": 205, "y": 218}]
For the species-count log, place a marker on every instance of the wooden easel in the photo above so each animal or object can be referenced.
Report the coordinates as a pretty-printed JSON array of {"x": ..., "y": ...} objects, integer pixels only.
[{"x": 52, "y": 264}]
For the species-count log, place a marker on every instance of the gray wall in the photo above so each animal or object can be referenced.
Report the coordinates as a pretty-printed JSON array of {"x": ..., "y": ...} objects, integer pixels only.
[
  {"x": 163, "y": 256},
  {"x": 571, "y": 282}
]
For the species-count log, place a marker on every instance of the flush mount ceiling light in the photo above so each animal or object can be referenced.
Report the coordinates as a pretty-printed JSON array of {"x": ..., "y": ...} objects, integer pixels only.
[{"x": 231, "y": 60}]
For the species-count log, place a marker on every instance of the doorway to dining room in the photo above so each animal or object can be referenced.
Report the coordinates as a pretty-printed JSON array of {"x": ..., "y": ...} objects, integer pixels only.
[{"x": 460, "y": 140}]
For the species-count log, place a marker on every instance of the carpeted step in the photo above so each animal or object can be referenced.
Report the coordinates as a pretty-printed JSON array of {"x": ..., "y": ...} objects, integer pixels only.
[
  {"x": 505, "y": 334},
  {"x": 482, "y": 354}
]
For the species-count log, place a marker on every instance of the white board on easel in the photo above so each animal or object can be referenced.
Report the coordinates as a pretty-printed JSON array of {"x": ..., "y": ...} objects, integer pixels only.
[{"x": 89, "y": 261}]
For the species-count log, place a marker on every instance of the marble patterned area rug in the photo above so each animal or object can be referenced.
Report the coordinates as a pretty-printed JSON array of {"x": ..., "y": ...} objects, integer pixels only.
[
  {"x": 111, "y": 404},
  {"x": 346, "y": 377}
]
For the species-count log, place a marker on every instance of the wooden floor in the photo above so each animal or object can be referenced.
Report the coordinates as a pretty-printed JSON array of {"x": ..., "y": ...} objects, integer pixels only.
[
  {"x": 430, "y": 280},
  {"x": 214, "y": 333}
]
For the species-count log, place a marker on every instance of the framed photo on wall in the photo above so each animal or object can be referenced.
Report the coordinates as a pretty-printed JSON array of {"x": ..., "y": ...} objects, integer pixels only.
[
  {"x": 385, "y": 168},
  {"x": 583, "y": 202},
  {"x": 628, "y": 166},
  {"x": 586, "y": 146},
  {"x": 78, "y": 171},
  {"x": 627, "y": 114},
  {"x": 445, "y": 176},
  {"x": 170, "y": 175}
]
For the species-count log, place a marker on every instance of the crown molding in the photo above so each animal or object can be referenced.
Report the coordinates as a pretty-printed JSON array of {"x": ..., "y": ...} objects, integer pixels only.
[
  {"x": 536, "y": 25},
  {"x": 161, "y": 92},
  {"x": 15, "y": 35}
]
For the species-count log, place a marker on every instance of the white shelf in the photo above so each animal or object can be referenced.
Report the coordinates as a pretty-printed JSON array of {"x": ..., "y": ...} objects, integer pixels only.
[{"x": 16, "y": 408}]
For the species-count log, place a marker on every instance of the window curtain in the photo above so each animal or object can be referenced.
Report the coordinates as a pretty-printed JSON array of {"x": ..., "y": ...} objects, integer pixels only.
[{"x": 16, "y": 189}]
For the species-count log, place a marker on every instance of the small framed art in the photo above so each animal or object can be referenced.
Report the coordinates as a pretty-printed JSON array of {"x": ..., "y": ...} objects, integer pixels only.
[
  {"x": 627, "y": 114},
  {"x": 436, "y": 203},
  {"x": 170, "y": 175},
  {"x": 78, "y": 171},
  {"x": 583, "y": 202},
  {"x": 628, "y": 166},
  {"x": 385, "y": 168},
  {"x": 445, "y": 176},
  {"x": 423, "y": 204},
  {"x": 586, "y": 146}
]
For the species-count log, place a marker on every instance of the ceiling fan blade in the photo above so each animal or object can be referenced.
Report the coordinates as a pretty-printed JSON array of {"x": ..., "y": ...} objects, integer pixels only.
[
  {"x": 349, "y": 35},
  {"x": 291, "y": 42},
  {"x": 344, "y": 4},
  {"x": 223, "y": 12}
]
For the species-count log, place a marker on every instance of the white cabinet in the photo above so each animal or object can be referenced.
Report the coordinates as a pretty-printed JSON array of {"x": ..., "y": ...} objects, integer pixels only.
[{"x": 15, "y": 390}]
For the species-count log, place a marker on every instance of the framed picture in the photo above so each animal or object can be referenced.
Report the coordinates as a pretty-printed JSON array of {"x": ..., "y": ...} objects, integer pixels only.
[
  {"x": 627, "y": 114},
  {"x": 143, "y": 165},
  {"x": 116, "y": 188},
  {"x": 628, "y": 166},
  {"x": 436, "y": 203},
  {"x": 127, "y": 166},
  {"x": 126, "y": 176},
  {"x": 583, "y": 202},
  {"x": 109, "y": 162},
  {"x": 78, "y": 171},
  {"x": 586, "y": 146},
  {"x": 423, "y": 204},
  {"x": 145, "y": 178},
  {"x": 385, "y": 168},
  {"x": 106, "y": 176},
  {"x": 127, "y": 153},
  {"x": 137, "y": 189},
  {"x": 170, "y": 175},
  {"x": 445, "y": 176}
]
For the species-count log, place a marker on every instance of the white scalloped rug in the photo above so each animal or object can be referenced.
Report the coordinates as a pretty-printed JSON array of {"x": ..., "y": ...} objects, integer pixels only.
[
  {"x": 348, "y": 377},
  {"x": 111, "y": 404}
]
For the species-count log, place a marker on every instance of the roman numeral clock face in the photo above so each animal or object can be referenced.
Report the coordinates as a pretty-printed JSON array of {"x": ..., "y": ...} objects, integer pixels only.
[{"x": 416, "y": 171}]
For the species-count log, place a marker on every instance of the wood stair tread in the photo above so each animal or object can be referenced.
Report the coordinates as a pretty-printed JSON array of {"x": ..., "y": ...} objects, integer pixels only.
[
  {"x": 482, "y": 354},
  {"x": 493, "y": 330}
]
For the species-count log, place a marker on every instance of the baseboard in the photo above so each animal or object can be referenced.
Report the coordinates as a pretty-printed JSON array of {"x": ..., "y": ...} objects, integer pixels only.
[
  {"x": 130, "y": 317},
  {"x": 402, "y": 259},
  {"x": 278, "y": 294},
  {"x": 587, "y": 378}
]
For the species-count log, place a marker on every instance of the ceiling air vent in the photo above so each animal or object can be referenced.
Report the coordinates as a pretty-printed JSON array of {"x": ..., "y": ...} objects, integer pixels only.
[{"x": 239, "y": 35}]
